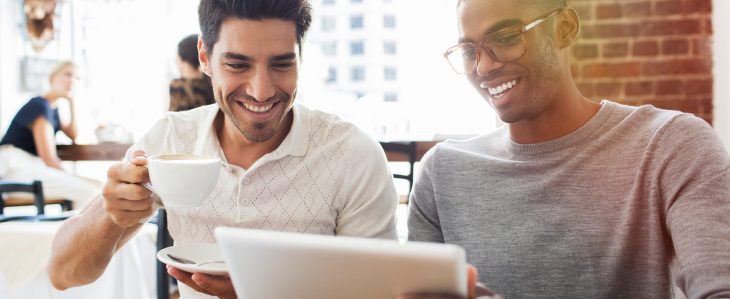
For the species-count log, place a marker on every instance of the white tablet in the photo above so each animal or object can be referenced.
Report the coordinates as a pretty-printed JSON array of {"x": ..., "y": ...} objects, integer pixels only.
[{"x": 278, "y": 265}]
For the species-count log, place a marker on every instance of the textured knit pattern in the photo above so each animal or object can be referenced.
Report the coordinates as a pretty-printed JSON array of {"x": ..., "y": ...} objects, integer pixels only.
[
  {"x": 326, "y": 177},
  {"x": 634, "y": 201}
]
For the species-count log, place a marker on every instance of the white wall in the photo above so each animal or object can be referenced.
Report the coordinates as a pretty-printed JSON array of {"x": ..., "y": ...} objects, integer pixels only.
[
  {"x": 14, "y": 48},
  {"x": 721, "y": 52}
]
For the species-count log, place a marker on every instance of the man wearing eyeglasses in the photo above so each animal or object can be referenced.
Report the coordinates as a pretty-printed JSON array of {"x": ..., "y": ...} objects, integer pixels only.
[{"x": 571, "y": 198}]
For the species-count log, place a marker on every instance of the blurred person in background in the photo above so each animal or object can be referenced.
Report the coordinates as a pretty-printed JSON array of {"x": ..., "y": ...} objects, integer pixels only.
[
  {"x": 193, "y": 88},
  {"x": 28, "y": 149}
]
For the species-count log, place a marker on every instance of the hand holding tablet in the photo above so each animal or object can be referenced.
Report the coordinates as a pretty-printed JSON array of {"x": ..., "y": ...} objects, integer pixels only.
[{"x": 267, "y": 264}]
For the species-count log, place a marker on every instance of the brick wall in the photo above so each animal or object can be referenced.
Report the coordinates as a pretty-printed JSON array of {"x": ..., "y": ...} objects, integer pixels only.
[{"x": 646, "y": 52}]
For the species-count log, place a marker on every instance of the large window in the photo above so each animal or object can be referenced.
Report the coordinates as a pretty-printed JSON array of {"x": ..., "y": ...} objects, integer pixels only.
[
  {"x": 329, "y": 49},
  {"x": 389, "y": 21},
  {"x": 328, "y": 2},
  {"x": 356, "y": 22},
  {"x": 390, "y": 73},
  {"x": 390, "y": 97},
  {"x": 332, "y": 75},
  {"x": 390, "y": 48},
  {"x": 357, "y": 48},
  {"x": 328, "y": 23},
  {"x": 357, "y": 74}
]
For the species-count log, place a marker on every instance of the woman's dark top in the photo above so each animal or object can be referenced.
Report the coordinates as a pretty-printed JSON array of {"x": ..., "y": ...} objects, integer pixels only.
[{"x": 20, "y": 133}]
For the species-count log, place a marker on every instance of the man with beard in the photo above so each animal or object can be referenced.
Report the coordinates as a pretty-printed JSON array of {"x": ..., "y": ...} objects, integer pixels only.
[
  {"x": 284, "y": 167},
  {"x": 571, "y": 198}
]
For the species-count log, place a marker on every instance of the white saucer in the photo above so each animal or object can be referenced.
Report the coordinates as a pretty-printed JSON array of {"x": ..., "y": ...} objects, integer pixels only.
[{"x": 198, "y": 253}]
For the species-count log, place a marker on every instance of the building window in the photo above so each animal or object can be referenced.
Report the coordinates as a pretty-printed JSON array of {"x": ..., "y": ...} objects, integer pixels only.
[
  {"x": 328, "y": 23},
  {"x": 390, "y": 97},
  {"x": 329, "y": 49},
  {"x": 328, "y": 2},
  {"x": 357, "y": 74},
  {"x": 390, "y": 73},
  {"x": 356, "y": 22},
  {"x": 332, "y": 75},
  {"x": 389, "y": 48},
  {"x": 357, "y": 48},
  {"x": 389, "y": 21}
]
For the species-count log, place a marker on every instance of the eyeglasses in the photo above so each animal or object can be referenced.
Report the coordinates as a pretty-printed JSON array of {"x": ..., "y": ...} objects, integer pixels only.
[{"x": 503, "y": 45}]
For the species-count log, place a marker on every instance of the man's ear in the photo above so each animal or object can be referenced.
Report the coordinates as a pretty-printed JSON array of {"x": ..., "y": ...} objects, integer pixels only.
[
  {"x": 568, "y": 27},
  {"x": 203, "y": 57}
]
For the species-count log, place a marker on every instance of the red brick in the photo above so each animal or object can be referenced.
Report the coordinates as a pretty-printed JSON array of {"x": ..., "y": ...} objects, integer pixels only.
[
  {"x": 670, "y": 7},
  {"x": 646, "y": 48},
  {"x": 671, "y": 27},
  {"x": 674, "y": 67},
  {"x": 575, "y": 70},
  {"x": 707, "y": 105},
  {"x": 707, "y": 24},
  {"x": 587, "y": 89},
  {"x": 585, "y": 12},
  {"x": 680, "y": 105},
  {"x": 587, "y": 32},
  {"x": 624, "y": 69},
  {"x": 637, "y": 9},
  {"x": 616, "y": 30},
  {"x": 620, "y": 49},
  {"x": 675, "y": 46},
  {"x": 702, "y": 46},
  {"x": 697, "y": 6},
  {"x": 699, "y": 86},
  {"x": 608, "y": 11},
  {"x": 639, "y": 88},
  {"x": 666, "y": 87},
  {"x": 585, "y": 51},
  {"x": 608, "y": 89}
]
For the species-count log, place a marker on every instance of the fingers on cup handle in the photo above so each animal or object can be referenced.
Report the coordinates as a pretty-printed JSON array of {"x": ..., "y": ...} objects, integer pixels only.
[{"x": 139, "y": 158}]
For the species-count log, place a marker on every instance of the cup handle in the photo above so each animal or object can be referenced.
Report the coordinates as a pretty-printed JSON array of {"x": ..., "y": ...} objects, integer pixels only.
[{"x": 149, "y": 186}]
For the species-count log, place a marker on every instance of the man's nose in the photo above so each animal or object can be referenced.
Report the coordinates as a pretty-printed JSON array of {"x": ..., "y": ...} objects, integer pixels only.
[
  {"x": 487, "y": 63},
  {"x": 261, "y": 87}
]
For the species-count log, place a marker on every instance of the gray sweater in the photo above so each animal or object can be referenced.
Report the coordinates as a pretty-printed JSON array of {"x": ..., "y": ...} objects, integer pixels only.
[{"x": 636, "y": 200}]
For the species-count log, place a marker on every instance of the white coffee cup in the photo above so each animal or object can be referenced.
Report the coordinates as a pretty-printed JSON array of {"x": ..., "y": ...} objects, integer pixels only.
[{"x": 182, "y": 180}]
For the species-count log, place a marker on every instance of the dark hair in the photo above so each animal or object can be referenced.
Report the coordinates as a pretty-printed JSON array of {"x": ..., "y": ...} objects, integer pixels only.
[
  {"x": 211, "y": 14},
  {"x": 187, "y": 49}
]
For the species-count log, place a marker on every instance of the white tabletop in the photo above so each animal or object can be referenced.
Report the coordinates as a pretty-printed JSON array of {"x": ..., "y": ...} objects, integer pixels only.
[{"x": 26, "y": 248}]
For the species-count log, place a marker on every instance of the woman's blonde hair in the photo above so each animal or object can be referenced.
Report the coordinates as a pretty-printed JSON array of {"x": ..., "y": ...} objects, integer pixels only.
[{"x": 59, "y": 67}]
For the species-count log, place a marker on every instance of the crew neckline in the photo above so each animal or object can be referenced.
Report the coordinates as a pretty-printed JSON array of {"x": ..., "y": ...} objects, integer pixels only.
[{"x": 588, "y": 129}]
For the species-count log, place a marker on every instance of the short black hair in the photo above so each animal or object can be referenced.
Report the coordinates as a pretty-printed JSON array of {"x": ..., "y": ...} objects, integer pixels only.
[
  {"x": 212, "y": 13},
  {"x": 187, "y": 49}
]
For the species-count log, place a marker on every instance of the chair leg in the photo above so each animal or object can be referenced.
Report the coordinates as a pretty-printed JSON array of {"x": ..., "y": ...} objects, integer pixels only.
[
  {"x": 66, "y": 205},
  {"x": 39, "y": 198},
  {"x": 163, "y": 240}
]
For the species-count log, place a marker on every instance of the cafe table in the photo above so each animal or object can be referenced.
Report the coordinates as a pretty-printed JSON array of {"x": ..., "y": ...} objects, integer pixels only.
[{"x": 26, "y": 248}]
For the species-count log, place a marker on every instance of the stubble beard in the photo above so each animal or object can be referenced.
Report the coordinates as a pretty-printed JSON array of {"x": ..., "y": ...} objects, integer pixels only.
[
  {"x": 544, "y": 79},
  {"x": 258, "y": 132}
]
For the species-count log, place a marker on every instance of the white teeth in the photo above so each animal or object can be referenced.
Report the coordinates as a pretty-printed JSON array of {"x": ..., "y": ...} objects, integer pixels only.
[
  {"x": 258, "y": 109},
  {"x": 499, "y": 89}
]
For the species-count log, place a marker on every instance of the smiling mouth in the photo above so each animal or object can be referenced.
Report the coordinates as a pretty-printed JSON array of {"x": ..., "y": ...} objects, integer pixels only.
[
  {"x": 499, "y": 91},
  {"x": 256, "y": 108}
]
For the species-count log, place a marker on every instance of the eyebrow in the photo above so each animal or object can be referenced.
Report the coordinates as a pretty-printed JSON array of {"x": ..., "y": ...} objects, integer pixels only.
[
  {"x": 241, "y": 57},
  {"x": 498, "y": 26}
]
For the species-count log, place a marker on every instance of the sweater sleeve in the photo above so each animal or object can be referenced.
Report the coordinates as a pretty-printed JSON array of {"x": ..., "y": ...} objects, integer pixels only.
[
  {"x": 423, "y": 219},
  {"x": 694, "y": 177}
]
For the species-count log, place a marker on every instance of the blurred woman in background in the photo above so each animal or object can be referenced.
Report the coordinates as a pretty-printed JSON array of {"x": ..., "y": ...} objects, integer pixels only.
[
  {"x": 193, "y": 88},
  {"x": 28, "y": 149}
]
